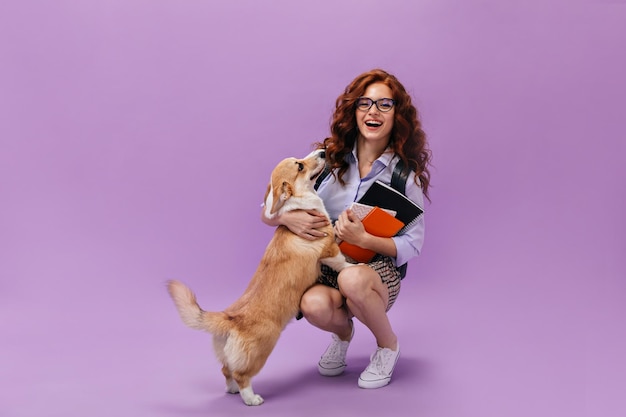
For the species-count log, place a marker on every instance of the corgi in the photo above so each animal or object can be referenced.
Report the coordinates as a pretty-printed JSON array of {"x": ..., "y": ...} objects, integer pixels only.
[{"x": 245, "y": 333}]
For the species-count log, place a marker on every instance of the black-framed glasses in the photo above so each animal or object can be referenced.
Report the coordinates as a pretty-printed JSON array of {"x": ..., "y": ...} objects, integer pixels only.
[{"x": 382, "y": 104}]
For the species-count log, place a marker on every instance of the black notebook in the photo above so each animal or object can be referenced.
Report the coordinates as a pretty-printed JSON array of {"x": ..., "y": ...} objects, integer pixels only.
[{"x": 384, "y": 196}]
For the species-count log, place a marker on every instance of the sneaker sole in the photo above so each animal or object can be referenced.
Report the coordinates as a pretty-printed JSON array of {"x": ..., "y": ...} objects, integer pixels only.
[
  {"x": 374, "y": 384},
  {"x": 379, "y": 383},
  {"x": 331, "y": 371}
]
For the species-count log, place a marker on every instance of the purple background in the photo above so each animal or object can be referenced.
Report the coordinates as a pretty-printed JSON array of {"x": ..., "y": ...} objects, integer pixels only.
[{"x": 136, "y": 142}]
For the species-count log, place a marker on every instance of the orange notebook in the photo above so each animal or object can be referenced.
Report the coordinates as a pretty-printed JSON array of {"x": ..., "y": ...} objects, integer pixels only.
[{"x": 377, "y": 222}]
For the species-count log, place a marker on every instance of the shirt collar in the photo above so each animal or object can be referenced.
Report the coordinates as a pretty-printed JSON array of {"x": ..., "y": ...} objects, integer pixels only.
[{"x": 385, "y": 158}]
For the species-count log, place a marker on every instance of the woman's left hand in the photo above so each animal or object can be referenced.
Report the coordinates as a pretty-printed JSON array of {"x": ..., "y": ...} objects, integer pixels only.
[{"x": 348, "y": 227}]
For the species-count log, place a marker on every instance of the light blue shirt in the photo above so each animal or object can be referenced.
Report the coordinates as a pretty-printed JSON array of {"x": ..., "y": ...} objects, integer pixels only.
[{"x": 338, "y": 198}]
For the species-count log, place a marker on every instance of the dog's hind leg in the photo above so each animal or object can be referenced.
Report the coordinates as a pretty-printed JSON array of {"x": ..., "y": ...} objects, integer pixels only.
[
  {"x": 245, "y": 390},
  {"x": 219, "y": 345},
  {"x": 231, "y": 385}
]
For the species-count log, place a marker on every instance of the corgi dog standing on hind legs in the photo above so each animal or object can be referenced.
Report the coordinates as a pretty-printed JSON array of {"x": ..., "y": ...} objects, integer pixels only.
[{"x": 245, "y": 333}]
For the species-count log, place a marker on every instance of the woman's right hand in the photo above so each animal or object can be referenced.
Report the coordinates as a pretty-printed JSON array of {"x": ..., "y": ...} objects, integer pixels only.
[{"x": 305, "y": 223}]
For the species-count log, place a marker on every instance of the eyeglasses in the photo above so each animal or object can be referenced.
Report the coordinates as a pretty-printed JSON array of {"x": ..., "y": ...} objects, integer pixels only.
[{"x": 382, "y": 104}]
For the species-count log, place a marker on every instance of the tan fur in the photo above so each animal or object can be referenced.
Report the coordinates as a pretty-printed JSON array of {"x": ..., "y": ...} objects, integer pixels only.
[{"x": 245, "y": 333}]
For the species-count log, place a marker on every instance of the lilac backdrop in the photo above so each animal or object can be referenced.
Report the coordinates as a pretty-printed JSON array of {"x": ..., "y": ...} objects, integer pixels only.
[{"x": 136, "y": 140}]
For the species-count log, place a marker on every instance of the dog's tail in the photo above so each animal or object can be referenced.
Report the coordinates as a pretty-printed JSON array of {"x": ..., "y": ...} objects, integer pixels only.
[{"x": 193, "y": 315}]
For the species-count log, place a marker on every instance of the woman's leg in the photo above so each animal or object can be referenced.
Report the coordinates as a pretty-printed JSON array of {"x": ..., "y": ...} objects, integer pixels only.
[
  {"x": 366, "y": 298},
  {"x": 362, "y": 294},
  {"x": 324, "y": 307}
]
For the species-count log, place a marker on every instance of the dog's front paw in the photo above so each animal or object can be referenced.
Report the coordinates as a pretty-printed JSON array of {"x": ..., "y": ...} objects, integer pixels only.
[{"x": 337, "y": 262}]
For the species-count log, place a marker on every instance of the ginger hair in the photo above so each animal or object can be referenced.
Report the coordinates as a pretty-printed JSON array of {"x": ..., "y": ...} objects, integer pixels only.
[{"x": 408, "y": 139}]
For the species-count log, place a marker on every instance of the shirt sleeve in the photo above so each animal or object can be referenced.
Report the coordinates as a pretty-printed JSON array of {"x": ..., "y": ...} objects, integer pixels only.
[{"x": 409, "y": 243}]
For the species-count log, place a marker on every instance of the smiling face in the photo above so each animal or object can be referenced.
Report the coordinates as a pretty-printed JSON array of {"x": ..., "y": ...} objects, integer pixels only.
[{"x": 373, "y": 124}]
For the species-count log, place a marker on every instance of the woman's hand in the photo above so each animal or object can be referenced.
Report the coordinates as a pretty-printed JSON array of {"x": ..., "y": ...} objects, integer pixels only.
[
  {"x": 348, "y": 227},
  {"x": 304, "y": 223}
]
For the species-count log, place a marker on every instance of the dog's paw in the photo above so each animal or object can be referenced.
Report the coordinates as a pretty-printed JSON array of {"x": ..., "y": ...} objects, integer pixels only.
[
  {"x": 232, "y": 387},
  {"x": 255, "y": 400},
  {"x": 249, "y": 397},
  {"x": 337, "y": 262}
]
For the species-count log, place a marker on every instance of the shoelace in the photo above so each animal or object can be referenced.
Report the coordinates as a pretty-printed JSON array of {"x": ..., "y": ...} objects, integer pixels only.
[
  {"x": 379, "y": 362},
  {"x": 334, "y": 351}
]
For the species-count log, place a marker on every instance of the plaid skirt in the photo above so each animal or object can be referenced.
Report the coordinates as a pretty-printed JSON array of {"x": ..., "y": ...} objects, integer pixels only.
[{"x": 383, "y": 265}]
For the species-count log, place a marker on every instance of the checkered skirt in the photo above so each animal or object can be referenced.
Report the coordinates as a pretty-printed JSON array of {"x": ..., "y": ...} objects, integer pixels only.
[{"x": 383, "y": 265}]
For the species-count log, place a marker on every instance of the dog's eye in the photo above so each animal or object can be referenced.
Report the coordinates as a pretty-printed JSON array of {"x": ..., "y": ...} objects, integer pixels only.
[{"x": 300, "y": 166}]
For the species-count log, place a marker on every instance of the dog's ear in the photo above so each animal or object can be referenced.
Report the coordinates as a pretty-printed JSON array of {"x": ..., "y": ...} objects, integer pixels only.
[
  {"x": 267, "y": 193},
  {"x": 281, "y": 194}
]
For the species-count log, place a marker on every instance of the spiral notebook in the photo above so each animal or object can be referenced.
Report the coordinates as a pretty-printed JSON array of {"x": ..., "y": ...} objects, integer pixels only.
[
  {"x": 384, "y": 196},
  {"x": 361, "y": 210},
  {"x": 378, "y": 222}
]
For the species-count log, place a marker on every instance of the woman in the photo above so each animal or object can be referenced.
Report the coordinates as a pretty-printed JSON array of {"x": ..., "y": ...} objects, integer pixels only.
[{"x": 374, "y": 125}]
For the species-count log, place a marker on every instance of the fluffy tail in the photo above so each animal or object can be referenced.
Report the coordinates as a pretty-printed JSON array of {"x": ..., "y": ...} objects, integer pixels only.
[{"x": 191, "y": 313}]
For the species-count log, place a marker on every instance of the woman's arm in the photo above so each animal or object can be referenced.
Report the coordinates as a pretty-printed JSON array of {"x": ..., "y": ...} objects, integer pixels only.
[
  {"x": 303, "y": 223},
  {"x": 349, "y": 228},
  {"x": 401, "y": 247}
]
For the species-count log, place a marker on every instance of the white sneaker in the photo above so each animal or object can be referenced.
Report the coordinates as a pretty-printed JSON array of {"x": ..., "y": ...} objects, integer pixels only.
[
  {"x": 378, "y": 372},
  {"x": 333, "y": 361}
]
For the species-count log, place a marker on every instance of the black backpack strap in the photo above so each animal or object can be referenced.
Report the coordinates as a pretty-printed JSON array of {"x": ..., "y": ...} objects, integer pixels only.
[
  {"x": 399, "y": 177},
  {"x": 321, "y": 177},
  {"x": 398, "y": 182}
]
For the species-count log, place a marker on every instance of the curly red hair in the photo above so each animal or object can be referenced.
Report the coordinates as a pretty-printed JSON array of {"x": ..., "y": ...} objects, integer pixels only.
[{"x": 408, "y": 140}]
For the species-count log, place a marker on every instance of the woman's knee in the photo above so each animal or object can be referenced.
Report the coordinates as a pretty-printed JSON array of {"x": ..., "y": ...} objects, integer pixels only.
[
  {"x": 358, "y": 282},
  {"x": 316, "y": 303},
  {"x": 354, "y": 279}
]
